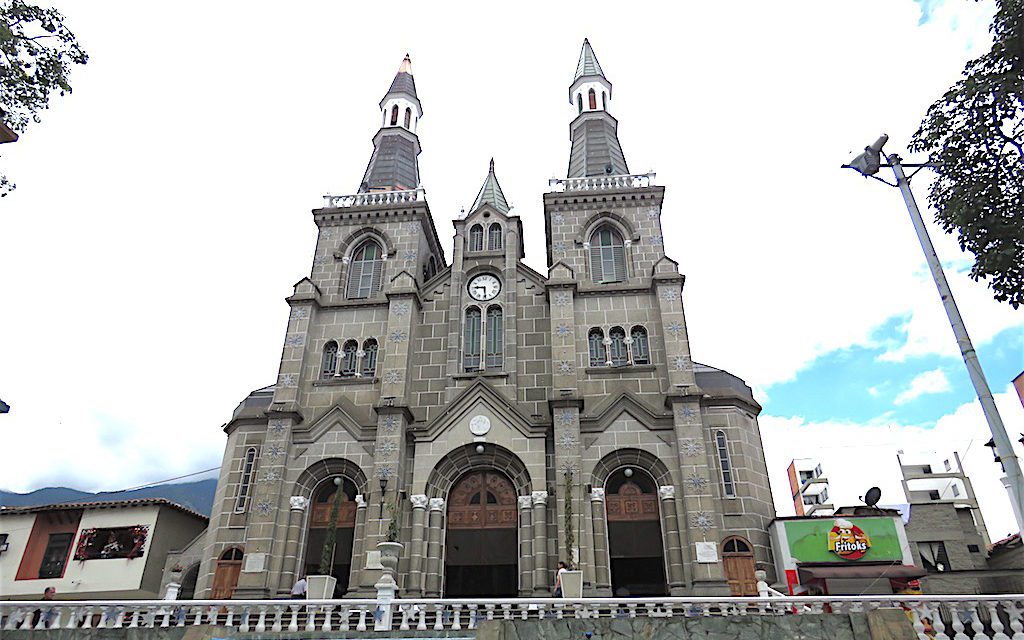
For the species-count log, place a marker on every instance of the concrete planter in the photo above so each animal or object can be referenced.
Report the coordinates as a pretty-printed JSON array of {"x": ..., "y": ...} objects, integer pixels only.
[
  {"x": 389, "y": 554},
  {"x": 320, "y": 587},
  {"x": 572, "y": 584}
]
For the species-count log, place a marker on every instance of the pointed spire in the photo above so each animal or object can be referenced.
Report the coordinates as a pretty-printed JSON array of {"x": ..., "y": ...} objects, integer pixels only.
[
  {"x": 403, "y": 82},
  {"x": 393, "y": 165},
  {"x": 588, "y": 64},
  {"x": 490, "y": 193}
]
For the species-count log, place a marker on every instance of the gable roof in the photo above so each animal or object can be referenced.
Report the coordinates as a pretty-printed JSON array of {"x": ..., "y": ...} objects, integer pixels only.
[{"x": 110, "y": 504}]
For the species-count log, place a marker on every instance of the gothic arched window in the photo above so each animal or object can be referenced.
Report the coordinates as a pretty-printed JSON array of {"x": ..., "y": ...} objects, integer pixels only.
[
  {"x": 607, "y": 256},
  {"x": 370, "y": 357},
  {"x": 408, "y": 117},
  {"x": 476, "y": 238},
  {"x": 494, "y": 342},
  {"x": 595, "y": 342},
  {"x": 471, "y": 340},
  {"x": 725, "y": 462},
  {"x": 494, "y": 237},
  {"x": 364, "y": 270},
  {"x": 579, "y": 102},
  {"x": 620, "y": 356},
  {"x": 593, "y": 99},
  {"x": 604, "y": 100},
  {"x": 641, "y": 348},
  {"x": 244, "y": 487},
  {"x": 394, "y": 115},
  {"x": 431, "y": 268},
  {"x": 349, "y": 358},
  {"x": 330, "y": 359}
]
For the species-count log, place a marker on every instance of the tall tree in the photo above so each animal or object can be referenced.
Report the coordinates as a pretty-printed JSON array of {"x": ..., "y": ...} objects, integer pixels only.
[
  {"x": 37, "y": 53},
  {"x": 974, "y": 135}
]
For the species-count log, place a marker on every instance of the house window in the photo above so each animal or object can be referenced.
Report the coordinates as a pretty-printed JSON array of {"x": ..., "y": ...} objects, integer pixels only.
[
  {"x": 394, "y": 115},
  {"x": 471, "y": 340},
  {"x": 246, "y": 484},
  {"x": 973, "y": 548},
  {"x": 620, "y": 356},
  {"x": 728, "y": 481},
  {"x": 370, "y": 357},
  {"x": 112, "y": 542},
  {"x": 56, "y": 555},
  {"x": 494, "y": 337},
  {"x": 365, "y": 271},
  {"x": 476, "y": 238},
  {"x": 607, "y": 256},
  {"x": 349, "y": 358},
  {"x": 933, "y": 556},
  {"x": 933, "y": 495},
  {"x": 494, "y": 237},
  {"x": 641, "y": 348},
  {"x": 408, "y": 117},
  {"x": 956, "y": 490},
  {"x": 330, "y": 360},
  {"x": 595, "y": 340},
  {"x": 592, "y": 98}
]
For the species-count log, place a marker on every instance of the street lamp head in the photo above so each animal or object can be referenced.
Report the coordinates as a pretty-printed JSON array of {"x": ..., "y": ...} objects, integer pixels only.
[{"x": 867, "y": 163}]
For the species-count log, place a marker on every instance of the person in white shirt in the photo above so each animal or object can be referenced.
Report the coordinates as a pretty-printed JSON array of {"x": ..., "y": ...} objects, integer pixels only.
[
  {"x": 562, "y": 568},
  {"x": 299, "y": 589}
]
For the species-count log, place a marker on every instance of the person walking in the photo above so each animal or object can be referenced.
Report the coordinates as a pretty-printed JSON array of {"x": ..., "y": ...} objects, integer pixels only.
[
  {"x": 562, "y": 568},
  {"x": 299, "y": 588}
]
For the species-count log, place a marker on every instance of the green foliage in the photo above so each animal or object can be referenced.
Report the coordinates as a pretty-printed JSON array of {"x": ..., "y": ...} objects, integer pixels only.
[
  {"x": 570, "y": 532},
  {"x": 974, "y": 135},
  {"x": 36, "y": 55},
  {"x": 392, "y": 532},
  {"x": 331, "y": 537}
]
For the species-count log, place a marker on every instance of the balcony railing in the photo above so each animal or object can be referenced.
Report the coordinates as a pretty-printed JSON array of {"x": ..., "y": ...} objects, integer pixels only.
[
  {"x": 933, "y": 617},
  {"x": 374, "y": 198},
  {"x": 602, "y": 183}
]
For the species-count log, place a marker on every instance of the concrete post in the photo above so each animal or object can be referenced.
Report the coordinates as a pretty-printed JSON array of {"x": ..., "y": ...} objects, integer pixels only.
[
  {"x": 670, "y": 524},
  {"x": 414, "y": 586},
  {"x": 525, "y": 546},
  {"x": 292, "y": 563},
  {"x": 358, "y": 557},
  {"x": 602, "y": 571},
  {"x": 540, "y": 542},
  {"x": 436, "y": 528}
]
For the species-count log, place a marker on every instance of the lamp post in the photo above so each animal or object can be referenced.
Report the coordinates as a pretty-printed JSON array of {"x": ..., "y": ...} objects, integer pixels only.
[{"x": 868, "y": 164}]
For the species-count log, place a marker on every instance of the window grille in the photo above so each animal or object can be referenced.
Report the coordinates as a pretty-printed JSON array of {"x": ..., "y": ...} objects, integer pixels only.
[
  {"x": 595, "y": 340},
  {"x": 728, "y": 481},
  {"x": 330, "y": 360},
  {"x": 494, "y": 237},
  {"x": 349, "y": 359},
  {"x": 370, "y": 357},
  {"x": 495, "y": 346},
  {"x": 476, "y": 238},
  {"x": 620, "y": 356},
  {"x": 471, "y": 340},
  {"x": 641, "y": 348}
]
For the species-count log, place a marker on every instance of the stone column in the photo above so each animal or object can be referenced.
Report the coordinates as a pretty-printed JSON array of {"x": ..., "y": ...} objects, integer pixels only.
[
  {"x": 436, "y": 528},
  {"x": 414, "y": 586},
  {"x": 358, "y": 557},
  {"x": 525, "y": 546},
  {"x": 540, "y": 542},
  {"x": 602, "y": 570},
  {"x": 292, "y": 562},
  {"x": 670, "y": 525}
]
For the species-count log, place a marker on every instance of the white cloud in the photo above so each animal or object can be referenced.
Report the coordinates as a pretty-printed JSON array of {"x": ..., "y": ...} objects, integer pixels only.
[
  {"x": 933, "y": 381},
  {"x": 857, "y": 456}
]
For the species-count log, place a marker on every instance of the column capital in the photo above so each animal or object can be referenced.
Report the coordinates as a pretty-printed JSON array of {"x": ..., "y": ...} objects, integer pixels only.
[
  {"x": 436, "y": 504},
  {"x": 539, "y": 497},
  {"x": 667, "y": 492},
  {"x": 418, "y": 501},
  {"x": 360, "y": 501},
  {"x": 298, "y": 503},
  {"x": 525, "y": 502},
  {"x": 597, "y": 494}
]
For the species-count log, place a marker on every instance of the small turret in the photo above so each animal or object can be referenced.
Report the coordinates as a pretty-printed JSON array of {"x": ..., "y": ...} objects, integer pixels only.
[
  {"x": 595, "y": 142},
  {"x": 590, "y": 90},
  {"x": 393, "y": 165}
]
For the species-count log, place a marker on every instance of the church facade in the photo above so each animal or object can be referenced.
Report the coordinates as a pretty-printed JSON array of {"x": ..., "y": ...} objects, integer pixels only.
[{"x": 496, "y": 419}]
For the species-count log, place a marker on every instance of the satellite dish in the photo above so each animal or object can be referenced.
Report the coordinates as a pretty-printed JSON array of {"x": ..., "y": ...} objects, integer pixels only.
[{"x": 872, "y": 496}]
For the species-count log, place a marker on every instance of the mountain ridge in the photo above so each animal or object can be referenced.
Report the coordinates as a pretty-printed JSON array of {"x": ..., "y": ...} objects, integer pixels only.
[{"x": 197, "y": 495}]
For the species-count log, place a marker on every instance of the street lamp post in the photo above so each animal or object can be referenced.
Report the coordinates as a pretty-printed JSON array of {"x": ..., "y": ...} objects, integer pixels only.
[{"x": 868, "y": 164}]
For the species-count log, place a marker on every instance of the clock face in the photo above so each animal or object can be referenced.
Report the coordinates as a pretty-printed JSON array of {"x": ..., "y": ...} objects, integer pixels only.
[{"x": 484, "y": 287}]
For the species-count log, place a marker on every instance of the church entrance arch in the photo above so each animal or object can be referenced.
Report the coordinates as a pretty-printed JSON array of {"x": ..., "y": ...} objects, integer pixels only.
[
  {"x": 481, "y": 543},
  {"x": 634, "y": 534},
  {"x": 340, "y": 553}
]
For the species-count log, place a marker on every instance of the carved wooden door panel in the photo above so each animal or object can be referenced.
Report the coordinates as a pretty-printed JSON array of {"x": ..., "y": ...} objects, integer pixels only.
[
  {"x": 632, "y": 504},
  {"x": 483, "y": 500}
]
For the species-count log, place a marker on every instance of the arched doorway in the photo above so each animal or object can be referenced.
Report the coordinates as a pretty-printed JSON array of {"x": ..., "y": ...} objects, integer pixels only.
[
  {"x": 319, "y": 518},
  {"x": 225, "y": 576},
  {"x": 481, "y": 545},
  {"x": 188, "y": 583},
  {"x": 739, "y": 566},
  {"x": 634, "y": 534}
]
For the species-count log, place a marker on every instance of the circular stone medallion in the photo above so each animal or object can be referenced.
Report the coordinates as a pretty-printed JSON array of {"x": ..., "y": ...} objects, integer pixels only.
[{"x": 479, "y": 425}]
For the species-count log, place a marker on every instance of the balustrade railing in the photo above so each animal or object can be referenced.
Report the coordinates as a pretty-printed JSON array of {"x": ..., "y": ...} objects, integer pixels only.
[
  {"x": 374, "y": 198},
  {"x": 602, "y": 183},
  {"x": 933, "y": 617}
]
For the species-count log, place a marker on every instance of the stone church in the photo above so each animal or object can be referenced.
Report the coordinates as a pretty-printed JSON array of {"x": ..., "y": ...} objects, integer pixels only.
[{"x": 504, "y": 418}]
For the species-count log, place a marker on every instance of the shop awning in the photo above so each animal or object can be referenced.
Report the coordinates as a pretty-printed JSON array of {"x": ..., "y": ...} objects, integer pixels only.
[{"x": 861, "y": 571}]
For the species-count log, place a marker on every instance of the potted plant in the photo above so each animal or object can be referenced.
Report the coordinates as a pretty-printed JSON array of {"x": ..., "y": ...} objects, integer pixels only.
[
  {"x": 572, "y": 579},
  {"x": 321, "y": 586}
]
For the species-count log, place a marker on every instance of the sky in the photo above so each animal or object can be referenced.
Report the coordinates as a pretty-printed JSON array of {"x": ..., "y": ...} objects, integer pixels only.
[{"x": 163, "y": 212}]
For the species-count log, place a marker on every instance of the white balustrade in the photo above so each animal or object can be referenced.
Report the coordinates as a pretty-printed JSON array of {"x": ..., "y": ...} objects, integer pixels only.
[
  {"x": 602, "y": 183},
  {"x": 998, "y": 617},
  {"x": 374, "y": 198}
]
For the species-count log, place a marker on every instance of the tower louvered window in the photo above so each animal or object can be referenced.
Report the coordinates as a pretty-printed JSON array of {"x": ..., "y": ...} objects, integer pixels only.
[
  {"x": 394, "y": 115},
  {"x": 365, "y": 271},
  {"x": 476, "y": 238},
  {"x": 349, "y": 359},
  {"x": 471, "y": 340},
  {"x": 641, "y": 347},
  {"x": 408, "y": 117},
  {"x": 494, "y": 237},
  {"x": 593, "y": 99},
  {"x": 607, "y": 256},
  {"x": 725, "y": 462},
  {"x": 370, "y": 357},
  {"x": 330, "y": 360},
  {"x": 494, "y": 344},
  {"x": 620, "y": 357},
  {"x": 595, "y": 341}
]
